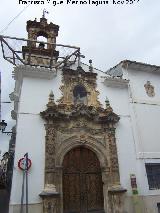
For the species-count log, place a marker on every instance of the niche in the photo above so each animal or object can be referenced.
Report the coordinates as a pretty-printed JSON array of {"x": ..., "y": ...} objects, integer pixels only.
[{"x": 79, "y": 95}]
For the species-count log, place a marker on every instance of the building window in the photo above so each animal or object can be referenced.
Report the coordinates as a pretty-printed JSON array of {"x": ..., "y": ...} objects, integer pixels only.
[
  {"x": 153, "y": 175},
  {"x": 158, "y": 206}
]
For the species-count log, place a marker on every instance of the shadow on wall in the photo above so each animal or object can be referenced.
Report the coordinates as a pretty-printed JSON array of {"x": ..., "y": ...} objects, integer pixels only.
[{"x": 4, "y": 201}]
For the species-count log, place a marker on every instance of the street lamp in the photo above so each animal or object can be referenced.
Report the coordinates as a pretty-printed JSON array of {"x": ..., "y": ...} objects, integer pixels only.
[{"x": 3, "y": 125}]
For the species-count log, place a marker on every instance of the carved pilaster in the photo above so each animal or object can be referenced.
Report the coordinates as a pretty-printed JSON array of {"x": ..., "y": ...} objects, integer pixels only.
[
  {"x": 50, "y": 154},
  {"x": 113, "y": 156}
]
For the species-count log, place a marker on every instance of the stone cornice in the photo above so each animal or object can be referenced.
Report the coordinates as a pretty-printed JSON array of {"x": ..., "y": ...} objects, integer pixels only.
[
  {"x": 116, "y": 189},
  {"x": 68, "y": 112},
  {"x": 79, "y": 71},
  {"x": 115, "y": 82},
  {"x": 33, "y": 72}
]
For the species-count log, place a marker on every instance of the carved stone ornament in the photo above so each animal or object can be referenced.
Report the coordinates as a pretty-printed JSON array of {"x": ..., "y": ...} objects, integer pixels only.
[
  {"x": 70, "y": 125},
  {"x": 149, "y": 89},
  {"x": 72, "y": 78}
]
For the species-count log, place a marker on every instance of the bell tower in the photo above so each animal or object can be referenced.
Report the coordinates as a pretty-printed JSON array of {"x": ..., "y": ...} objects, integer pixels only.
[{"x": 41, "y": 53}]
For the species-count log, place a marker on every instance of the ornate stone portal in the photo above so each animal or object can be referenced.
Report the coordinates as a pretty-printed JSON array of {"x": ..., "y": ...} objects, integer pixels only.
[{"x": 70, "y": 124}]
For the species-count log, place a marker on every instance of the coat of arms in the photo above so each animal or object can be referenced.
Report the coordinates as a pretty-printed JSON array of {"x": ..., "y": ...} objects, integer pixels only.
[{"x": 149, "y": 89}]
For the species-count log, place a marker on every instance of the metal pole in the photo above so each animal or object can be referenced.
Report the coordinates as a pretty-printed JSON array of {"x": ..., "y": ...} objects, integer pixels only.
[
  {"x": 26, "y": 171},
  {"x": 2, "y": 37},
  {"x": 22, "y": 196}
]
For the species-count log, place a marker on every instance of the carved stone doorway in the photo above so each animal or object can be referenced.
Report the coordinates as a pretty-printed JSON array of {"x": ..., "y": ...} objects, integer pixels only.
[{"x": 82, "y": 182}]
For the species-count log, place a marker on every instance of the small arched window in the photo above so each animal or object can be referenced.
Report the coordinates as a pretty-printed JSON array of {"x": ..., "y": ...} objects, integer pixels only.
[
  {"x": 41, "y": 39},
  {"x": 80, "y": 95}
]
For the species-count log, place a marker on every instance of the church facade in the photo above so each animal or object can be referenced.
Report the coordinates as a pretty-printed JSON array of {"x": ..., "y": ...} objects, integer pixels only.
[{"x": 92, "y": 136}]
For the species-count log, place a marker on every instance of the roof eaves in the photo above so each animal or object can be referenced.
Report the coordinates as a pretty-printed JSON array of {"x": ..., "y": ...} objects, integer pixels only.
[{"x": 126, "y": 64}]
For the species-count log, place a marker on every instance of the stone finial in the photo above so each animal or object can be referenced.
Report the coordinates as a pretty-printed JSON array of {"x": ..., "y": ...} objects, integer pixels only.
[
  {"x": 107, "y": 102},
  {"x": 90, "y": 66},
  {"x": 51, "y": 97},
  {"x": 51, "y": 102}
]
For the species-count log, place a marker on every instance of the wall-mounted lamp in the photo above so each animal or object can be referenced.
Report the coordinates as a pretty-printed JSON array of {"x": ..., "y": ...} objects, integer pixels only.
[{"x": 3, "y": 125}]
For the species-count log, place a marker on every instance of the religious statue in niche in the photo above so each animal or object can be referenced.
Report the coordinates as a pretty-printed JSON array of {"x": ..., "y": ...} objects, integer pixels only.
[
  {"x": 80, "y": 95},
  {"x": 149, "y": 89}
]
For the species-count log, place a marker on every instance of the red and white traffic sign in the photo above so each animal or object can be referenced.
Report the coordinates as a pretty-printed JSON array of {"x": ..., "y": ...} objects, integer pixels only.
[{"x": 22, "y": 164}]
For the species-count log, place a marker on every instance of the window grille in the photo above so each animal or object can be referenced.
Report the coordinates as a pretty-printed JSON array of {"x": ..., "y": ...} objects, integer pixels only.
[
  {"x": 153, "y": 175},
  {"x": 158, "y": 206}
]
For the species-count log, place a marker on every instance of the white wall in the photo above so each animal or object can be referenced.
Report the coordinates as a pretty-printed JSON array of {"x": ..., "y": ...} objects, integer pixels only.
[
  {"x": 35, "y": 93},
  {"x": 145, "y": 114},
  {"x": 132, "y": 139},
  {"x": 30, "y": 138},
  {"x": 31, "y": 134}
]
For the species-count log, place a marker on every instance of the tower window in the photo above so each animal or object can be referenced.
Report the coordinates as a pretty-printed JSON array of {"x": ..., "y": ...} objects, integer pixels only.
[
  {"x": 80, "y": 95},
  {"x": 41, "y": 39}
]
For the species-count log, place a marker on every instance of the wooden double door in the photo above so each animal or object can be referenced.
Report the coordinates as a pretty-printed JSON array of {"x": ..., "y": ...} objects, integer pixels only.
[{"x": 82, "y": 182}]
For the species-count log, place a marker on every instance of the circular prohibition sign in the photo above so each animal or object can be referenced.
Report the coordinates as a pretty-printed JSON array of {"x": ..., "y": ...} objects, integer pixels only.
[{"x": 22, "y": 164}]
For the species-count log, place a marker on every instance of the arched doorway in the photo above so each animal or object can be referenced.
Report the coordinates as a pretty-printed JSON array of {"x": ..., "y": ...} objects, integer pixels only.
[{"x": 82, "y": 182}]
